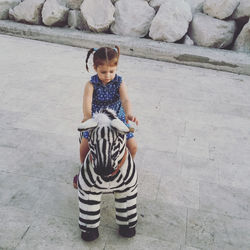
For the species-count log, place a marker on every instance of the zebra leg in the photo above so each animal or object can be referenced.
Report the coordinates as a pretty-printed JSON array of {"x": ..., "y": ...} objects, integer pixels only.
[
  {"x": 126, "y": 214},
  {"x": 89, "y": 217}
]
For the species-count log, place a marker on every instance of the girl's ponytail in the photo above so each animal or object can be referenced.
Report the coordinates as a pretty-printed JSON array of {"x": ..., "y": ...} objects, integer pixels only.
[
  {"x": 87, "y": 58},
  {"x": 118, "y": 50}
]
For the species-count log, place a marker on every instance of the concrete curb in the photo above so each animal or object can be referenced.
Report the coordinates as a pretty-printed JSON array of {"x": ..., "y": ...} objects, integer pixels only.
[{"x": 224, "y": 60}]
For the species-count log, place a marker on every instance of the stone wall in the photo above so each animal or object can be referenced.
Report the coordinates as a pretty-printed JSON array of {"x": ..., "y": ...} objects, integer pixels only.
[{"x": 209, "y": 23}]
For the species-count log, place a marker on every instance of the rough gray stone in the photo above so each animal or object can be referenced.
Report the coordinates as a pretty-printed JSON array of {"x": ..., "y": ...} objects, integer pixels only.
[
  {"x": 74, "y": 4},
  {"x": 53, "y": 13},
  {"x": 243, "y": 10},
  {"x": 242, "y": 42},
  {"x": 132, "y": 18},
  {"x": 196, "y": 5},
  {"x": 11, "y": 14},
  {"x": 5, "y": 5},
  {"x": 211, "y": 32},
  {"x": 98, "y": 19},
  {"x": 188, "y": 40},
  {"x": 75, "y": 20},
  {"x": 28, "y": 11},
  {"x": 156, "y": 3},
  {"x": 171, "y": 21},
  {"x": 220, "y": 8}
]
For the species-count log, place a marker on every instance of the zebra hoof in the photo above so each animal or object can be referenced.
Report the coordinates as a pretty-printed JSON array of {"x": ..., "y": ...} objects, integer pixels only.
[
  {"x": 127, "y": 232},
  {"x": 90, "y": 235}
]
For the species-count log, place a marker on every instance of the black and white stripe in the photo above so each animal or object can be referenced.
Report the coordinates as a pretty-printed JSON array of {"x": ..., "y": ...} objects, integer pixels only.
[{"x": 107, "y": 148}]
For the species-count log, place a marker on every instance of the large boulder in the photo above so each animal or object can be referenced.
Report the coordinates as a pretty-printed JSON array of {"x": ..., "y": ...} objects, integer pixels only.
[
  {"x": 211, "y": 32},
  {"x": 74, "y": 4},
  {"x": 156, "y": 4},
  {"x": 220, "y": 9},
  {"x": 99, "y": 14},
  {"x": 242, "y": 43},
  {"x": 243, "y": 10},
  {"x": 171, "y": 21},
  {"x": 5, "y": 5},
  {"x": 132, "y": 18},
  {"x": 28, "y": 11},
  {"x": 54, "y": 13},
  {"x": 75, "y": 20},
  {"x": 196, "y": 5}
]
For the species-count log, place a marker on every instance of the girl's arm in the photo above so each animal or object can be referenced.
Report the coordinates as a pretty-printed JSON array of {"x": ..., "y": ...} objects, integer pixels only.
[
  {"x": 126, "y": 103},
  {"x": 87, "y": 101}
]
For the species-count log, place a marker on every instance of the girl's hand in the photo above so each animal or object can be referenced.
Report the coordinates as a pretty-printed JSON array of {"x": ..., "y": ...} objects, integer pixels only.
[{"x": 132, "y": 119}]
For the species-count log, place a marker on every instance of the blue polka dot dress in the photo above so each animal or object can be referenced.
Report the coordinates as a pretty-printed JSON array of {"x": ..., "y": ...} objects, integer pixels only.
[{"x": 107, "y": 96}]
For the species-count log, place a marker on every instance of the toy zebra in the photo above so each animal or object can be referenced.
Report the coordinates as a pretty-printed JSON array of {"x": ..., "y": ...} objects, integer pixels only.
[{"x": 108, "y": 167}]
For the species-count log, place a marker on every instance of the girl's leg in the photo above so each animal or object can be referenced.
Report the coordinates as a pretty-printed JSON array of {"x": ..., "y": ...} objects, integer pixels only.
[
  {"x": 84, "y": 149},
  {"x": 132, "y": 146}
]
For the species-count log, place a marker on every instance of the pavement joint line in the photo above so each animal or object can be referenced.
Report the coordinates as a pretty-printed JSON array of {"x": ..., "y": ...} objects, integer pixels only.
[
  {"x": 25, "y": 232},
  {"x": 217, "y": 59}
]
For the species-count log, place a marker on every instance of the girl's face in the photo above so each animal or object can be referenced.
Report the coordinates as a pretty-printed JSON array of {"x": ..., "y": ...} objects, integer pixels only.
[{"x": 106, "y": 73}]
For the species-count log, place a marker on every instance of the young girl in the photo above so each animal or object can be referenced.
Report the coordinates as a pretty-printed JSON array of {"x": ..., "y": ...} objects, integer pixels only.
[{"x": 106, "y": 90}]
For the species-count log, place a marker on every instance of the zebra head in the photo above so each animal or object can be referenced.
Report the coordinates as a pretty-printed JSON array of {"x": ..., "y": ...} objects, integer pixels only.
[{"x": 107, "y": 141}]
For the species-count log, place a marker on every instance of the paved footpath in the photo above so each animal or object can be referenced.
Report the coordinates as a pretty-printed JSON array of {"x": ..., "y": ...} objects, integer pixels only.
[{"x": 193, "y": 158}]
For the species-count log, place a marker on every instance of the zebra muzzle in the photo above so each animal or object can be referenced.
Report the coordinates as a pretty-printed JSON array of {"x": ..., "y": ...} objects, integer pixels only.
[{"x": 104, "y": 171}]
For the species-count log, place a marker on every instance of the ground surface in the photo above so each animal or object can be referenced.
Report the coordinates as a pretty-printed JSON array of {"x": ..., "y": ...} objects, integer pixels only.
[{"x": 193, "y": 157}]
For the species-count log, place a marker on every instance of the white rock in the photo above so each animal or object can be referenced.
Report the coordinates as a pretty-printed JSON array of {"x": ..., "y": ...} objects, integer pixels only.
[
  {"x": 11, "y": 14},
  {"x": 28, "y": 11},
  {"x": 54, "y": 13},
  {"x": 75, "y": 20},
  {"x": 196, "y": 5},
  {"x": 242, "y": 43},
  {"x": 5, "y": 5},
  {"x": 156, "y": 3},
  {"x": 211, "y": 32},
  {"x": 243, "y": 10},
  {"x": 99, "y": 14},
  {"x": 220, "y": 8},
  {"x": 171, "y": 21},
  {"x": 74, "y": 4},
  {"x": 132, "y": 18},
  {"x": 188, "y": 40}
]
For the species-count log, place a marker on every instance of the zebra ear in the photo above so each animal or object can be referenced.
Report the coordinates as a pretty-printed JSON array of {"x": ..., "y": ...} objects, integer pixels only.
[
  {"x": 119, "y": 125},
  {"x": 87, "y": 125}
]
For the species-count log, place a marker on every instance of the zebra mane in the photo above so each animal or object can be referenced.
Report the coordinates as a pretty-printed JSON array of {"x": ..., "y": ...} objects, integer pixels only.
[{"x": 104, "y": 117}]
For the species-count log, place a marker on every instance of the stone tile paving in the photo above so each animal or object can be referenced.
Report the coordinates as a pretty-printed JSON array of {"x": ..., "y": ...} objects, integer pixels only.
[{"x": 193, "y": 157}]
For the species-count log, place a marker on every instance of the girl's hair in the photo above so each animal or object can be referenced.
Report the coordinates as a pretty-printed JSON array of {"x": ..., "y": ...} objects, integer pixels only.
[{"x": 104, "y": 55}]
